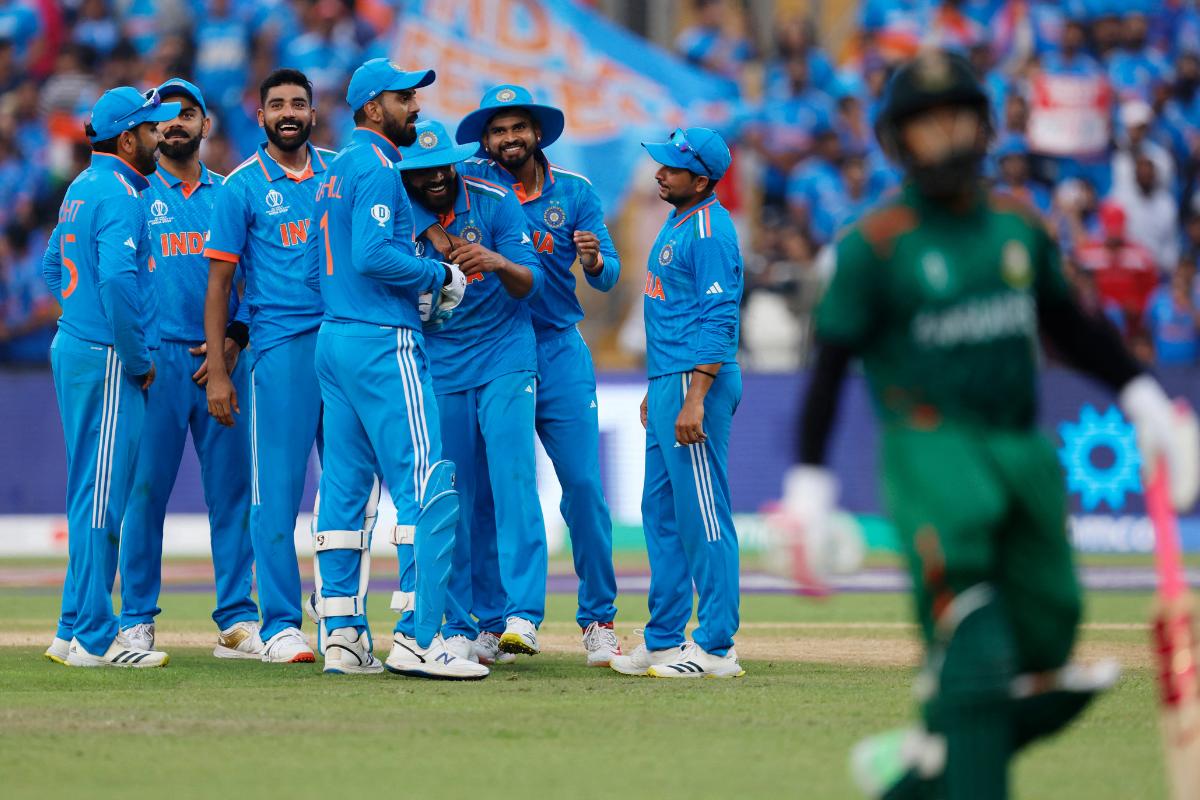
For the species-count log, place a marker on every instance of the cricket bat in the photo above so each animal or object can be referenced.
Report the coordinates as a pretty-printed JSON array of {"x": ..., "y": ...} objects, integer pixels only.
[{"x": 1175, "y": 646}]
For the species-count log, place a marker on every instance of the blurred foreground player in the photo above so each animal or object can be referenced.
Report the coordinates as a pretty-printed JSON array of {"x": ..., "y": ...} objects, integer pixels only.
[
  {"x": 693, "y": 290},
  {"x": 568, "y": 225},
  {"x": 942, "y": 292},
  {"x": 180, "y": 201},
  {"x": 98, "y": 266}
]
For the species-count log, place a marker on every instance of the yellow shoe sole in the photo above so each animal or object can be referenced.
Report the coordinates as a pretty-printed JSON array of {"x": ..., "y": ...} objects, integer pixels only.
[
  {"x": 51, "y": 657},
  {"x": 512, "y": 643}
]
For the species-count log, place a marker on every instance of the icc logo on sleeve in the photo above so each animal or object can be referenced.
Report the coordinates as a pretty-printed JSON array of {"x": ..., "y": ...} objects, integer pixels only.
[{"x": 381, "y": 213}]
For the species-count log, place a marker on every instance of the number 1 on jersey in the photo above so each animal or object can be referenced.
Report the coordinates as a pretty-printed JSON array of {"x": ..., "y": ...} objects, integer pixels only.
[{"x": 328, "y": 253}]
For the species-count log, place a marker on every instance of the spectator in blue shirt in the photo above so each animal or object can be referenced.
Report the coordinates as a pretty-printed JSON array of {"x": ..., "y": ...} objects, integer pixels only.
[
  {"x": 1013, "y": 173},
  {"x": 707, "y": 44},
  {"x": 28, "y": 312},
  {"x": 1173, "y": 319},
  {"x": 222, "y": 42}
]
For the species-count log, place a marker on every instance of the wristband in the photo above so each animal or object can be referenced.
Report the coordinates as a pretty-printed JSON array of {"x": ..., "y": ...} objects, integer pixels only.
[
  {"x": 238, "y": 331},
  {"x": 712, "y": 375}
]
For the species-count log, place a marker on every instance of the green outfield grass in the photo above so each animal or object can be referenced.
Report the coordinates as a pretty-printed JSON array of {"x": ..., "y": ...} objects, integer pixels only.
[{"x": 546, "y": 727}]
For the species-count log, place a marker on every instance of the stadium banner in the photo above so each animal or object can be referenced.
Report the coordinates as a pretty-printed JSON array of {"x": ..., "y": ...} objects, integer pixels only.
[
  {"x": 615, "y": 88},
  {"x": 1069, "y": 114},
  {"x": 1096, "y": 445}
]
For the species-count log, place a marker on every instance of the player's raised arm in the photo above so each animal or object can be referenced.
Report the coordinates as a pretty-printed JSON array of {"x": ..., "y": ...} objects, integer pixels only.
[
  {"x": 513, "y": 261},
  {"x": 593, "y": 244}
]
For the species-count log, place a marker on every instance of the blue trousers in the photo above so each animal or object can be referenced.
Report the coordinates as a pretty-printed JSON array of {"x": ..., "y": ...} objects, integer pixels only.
[
  {"x": 686, "y": 514},
  {"x": 285, "y": 413},
  {"x": 380, "y": 414},
  {"x": 102, "y": 410},
  {"x": 567, "y": 424},
  {"x": 174, "y": 405},
  {"x": 488, "y": 433}
]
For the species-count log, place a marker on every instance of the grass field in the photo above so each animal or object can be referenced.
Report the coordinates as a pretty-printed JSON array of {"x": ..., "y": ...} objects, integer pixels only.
[{"x": 820, "y": 675}]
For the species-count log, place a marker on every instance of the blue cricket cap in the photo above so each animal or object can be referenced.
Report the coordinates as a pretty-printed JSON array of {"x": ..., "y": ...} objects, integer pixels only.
[
  {"x": 506, "y": 98},
  {"x": 176, "y": 87},
  {"x": 434, "y": 147},
  {"x": 124, "y": 108},
  {"x": 380, "y": 75},
  {"x": 700, "y": 150}
]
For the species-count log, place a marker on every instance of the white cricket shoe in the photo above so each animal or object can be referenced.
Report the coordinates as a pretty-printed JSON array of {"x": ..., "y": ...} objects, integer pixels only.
[
  {"x": 435, "y": 661},
  {"x": 240, "y": 640},
  {"x": 601, "y": 644},
  {"x": 288, "y": 647},
  {"x": 137, "y": 637},
  {"x": 520, "y": 636},
  {"x": 694, "y": 662},
  {"x": 642, "y": 658},
  {"x": 117, "y": 655},
  {"x": 461, "y": 647},
  {"x": 486, "y": 649},
  {"x": 58, "y": 651},
  {"x": 348, "y": 652}
]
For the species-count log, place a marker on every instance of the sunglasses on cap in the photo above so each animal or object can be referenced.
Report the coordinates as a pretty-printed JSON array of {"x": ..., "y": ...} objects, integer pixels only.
[
  {"x": 153, "y": 100},
  {"x": 679, "y": 139}
]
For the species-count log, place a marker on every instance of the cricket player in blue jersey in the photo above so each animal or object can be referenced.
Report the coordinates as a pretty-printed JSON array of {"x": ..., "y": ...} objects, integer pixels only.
[
  {"x": 179, "y": 201},
  {"x": 567, "y": 224},
  {"x": 484, "y": 365},
  {"x": 261, "y": 222},
  {"x": 693, "y": 290},
  {"x": 98, "y": 264},
  {"x": 380, "y": 413}
]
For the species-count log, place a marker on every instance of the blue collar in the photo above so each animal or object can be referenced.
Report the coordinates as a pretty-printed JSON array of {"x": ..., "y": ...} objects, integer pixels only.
[
  {"x": 384, "y": 145},
  {"x": 274, "y": 172},
  {"x": 170, "y": 180},
  {"x": 123, "y": 169}
]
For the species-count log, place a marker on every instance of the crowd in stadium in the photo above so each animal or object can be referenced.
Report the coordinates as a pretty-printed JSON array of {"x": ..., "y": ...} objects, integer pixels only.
[{"x": 1096, "y": 112}]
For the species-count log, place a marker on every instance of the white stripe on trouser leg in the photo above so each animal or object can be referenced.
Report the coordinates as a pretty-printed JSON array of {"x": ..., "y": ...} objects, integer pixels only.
[
  {"x": 708, "y": 534},
  {"x": 411, "y": 379},
  {"x": 703, "y": 480},
  {"x": 102, "y": 441},
  {"x": 253, "y": 442},
  {"x": 113, "y": 402}
]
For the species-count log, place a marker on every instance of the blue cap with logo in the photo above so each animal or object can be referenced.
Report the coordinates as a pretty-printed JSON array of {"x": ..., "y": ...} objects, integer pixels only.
[
  {"x": 380, "y": 75},
  {"x": 124, "y": 108},
  {"x": 699, "y": 150},
  {"x": 433, "y": 147},
  {"x": 178, "y": 87},
  {"x": 506, "y": 97}
]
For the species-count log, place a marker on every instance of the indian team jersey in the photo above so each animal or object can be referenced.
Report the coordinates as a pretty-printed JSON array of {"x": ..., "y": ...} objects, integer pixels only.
[
  {"x": 99, "y": 265},
  {"x": 361, "y": 253},
  {"x": 490, "y": 333},
  {"x": 693, "y": 292},
  {"x": 942, "y": 307},
  {"x": 261, "y": 220},
  {"x": 567, "y": 203},
  {"x": 178, "y": 216}
]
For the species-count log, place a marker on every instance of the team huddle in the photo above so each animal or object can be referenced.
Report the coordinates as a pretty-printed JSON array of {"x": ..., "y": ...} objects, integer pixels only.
[{"x": 408, "y": 306}]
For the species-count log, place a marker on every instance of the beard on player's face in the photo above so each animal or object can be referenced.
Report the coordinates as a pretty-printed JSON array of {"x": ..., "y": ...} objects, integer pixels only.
[
  {"x": 178, "y": 143},
  {"x": 400, "y": 130},
  {"x": 144, "y": 157},
  {"x": 290, "y": 132},
  {"x": 434, "y": 187}
]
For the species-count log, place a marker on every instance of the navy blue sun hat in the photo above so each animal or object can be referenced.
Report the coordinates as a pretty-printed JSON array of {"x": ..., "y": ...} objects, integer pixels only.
[{"x": 505, "y": 98}]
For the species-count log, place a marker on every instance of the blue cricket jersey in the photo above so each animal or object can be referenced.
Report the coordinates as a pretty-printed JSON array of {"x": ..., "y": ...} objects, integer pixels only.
[
  {"x": 361, "y": 254},
  {"x": 693, "y": 291},
  {"x": 261, "y": 220},
  {"x": 98, "y": 262},
  {"x": 178, "y": 216},
  {"x": 567, "y": 203},
  {"x": 490, "y": 333}
]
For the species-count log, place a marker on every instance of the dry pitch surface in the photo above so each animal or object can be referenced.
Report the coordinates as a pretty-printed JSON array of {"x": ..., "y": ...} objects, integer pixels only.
[{"x": 821, "y": 674}]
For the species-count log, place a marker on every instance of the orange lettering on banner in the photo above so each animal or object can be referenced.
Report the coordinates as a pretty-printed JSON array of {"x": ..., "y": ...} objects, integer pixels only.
[{"x": 535, "y": 39}]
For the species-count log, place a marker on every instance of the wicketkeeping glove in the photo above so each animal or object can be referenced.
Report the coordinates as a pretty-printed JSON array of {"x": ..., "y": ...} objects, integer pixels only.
[{"x": 1165, "y": 429}]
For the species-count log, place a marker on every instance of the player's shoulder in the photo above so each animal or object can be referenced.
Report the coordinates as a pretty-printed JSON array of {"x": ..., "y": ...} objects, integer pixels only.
[
  {"x": 1008, "y": 204},
  {"x": 244, "y": 173},
  {"x": 883, "y": 224},
  {"x": 483, "y": 187},
  {"x": 569, "y": 178}
]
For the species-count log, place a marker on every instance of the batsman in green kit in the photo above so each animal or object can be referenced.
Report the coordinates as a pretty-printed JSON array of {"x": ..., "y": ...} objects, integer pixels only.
[{"x": 943, "y": 292}]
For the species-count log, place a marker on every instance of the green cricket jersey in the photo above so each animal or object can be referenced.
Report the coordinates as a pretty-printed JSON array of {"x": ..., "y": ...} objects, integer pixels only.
[{"x": 942, "y": 308}]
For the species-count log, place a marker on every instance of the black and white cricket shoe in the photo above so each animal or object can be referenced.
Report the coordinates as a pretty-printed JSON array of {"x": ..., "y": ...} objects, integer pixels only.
[
  {"x": 435, "y": 661},
  {"x": 348, "y": 652},
  {"x": 694, "y": 662},
  {"x": 117, "y": 655}
]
